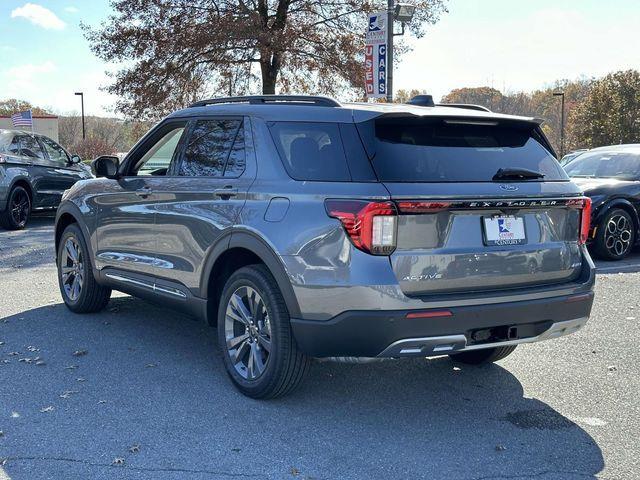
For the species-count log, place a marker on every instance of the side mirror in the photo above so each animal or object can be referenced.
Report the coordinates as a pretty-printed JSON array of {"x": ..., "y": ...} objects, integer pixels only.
[
  {"x": 105, "y": 166},
  {"x": 75, "y": 159}
]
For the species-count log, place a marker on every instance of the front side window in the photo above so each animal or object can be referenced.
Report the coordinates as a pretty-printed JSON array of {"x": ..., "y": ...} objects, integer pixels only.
[
  {"x": 157, "y": 160},
  {"x": 311, "y": 151},
  {"x": 30, "y": 147},
  {"x": 215, "y": 149},
  {"x": 56, "y": 152}
]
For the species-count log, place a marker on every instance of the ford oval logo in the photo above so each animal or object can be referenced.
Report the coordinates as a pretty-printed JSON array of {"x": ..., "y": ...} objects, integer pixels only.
[{"x": 508, "y": 188}]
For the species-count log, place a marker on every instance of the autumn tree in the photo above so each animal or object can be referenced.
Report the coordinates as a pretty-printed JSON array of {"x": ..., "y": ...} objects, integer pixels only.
[
  {"x": 176, "y": 51},
  {"x": 12, "y": 105},
  {"x": 610, "y": 113},
  {"x": 403, "y": 96}
]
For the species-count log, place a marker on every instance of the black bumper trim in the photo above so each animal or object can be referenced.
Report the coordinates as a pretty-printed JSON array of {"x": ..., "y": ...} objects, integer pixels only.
[{"x": 368, "y": 333}]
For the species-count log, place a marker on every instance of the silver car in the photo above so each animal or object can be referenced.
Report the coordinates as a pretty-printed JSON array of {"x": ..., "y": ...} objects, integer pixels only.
[{"x": 304, "y": 228}]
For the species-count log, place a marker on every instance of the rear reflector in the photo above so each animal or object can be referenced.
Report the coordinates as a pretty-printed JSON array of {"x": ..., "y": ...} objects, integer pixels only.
[
  {"x": 430, "y": 314},
  {"x": 422, "y": 207},
  {"x": 371, "y": 226}
]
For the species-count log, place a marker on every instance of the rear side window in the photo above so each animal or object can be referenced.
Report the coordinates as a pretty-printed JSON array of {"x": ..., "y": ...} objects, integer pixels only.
[
  {"x": 30, "y": 147},
  {"x": 410, "y": 149},
  {"x": 311, "y": 151},
  {"x": 211, "y": 145}
]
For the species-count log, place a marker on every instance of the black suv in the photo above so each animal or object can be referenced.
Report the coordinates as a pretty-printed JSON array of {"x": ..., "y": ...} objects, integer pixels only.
[{"x": 34, "y": 172}]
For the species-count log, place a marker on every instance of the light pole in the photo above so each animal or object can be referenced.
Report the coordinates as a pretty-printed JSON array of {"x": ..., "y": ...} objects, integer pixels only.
[
  {"x": 82, "y": 107},
  {"x": 403, "y": 12},
  {"x": 561, "y": 94}
]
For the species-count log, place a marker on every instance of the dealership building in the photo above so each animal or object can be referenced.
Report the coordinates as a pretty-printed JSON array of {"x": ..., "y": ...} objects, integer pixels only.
[{"x": 43, "y": 124}]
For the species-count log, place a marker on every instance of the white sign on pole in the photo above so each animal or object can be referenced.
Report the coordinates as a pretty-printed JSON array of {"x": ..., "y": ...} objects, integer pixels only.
[{"x": 376, "y": 56}]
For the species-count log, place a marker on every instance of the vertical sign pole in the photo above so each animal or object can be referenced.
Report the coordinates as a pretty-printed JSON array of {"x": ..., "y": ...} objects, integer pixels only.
[{"x": 389, "y": 82}]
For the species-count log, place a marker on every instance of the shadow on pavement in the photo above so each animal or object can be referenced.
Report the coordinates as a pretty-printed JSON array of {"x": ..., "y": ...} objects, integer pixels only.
[
  {"x": 152, "y": 377},
  {"x": 31, "y": 247}
]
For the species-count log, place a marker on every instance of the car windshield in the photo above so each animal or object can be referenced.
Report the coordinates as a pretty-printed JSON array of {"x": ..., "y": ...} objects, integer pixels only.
[{"x": 612, "y": 164}]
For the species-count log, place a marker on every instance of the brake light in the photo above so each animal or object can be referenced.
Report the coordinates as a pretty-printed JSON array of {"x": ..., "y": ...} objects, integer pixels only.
[
  {"x": 422, "y": 207},
  {"x": 584, "y": 204},
  {"x": 585, "y": 221},
  {"x": 371, "y": 226}
]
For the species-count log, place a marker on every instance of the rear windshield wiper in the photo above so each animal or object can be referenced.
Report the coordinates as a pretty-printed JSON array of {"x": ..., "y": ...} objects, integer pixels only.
[{"x": 516, "y": 174}]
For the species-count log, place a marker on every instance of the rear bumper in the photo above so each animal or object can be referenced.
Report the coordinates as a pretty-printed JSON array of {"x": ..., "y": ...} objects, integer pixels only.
[{"x": 392, "y": 334}]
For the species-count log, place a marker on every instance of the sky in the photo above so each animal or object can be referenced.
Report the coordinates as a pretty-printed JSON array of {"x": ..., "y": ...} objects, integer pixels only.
[{"x": 512, "y": 45}]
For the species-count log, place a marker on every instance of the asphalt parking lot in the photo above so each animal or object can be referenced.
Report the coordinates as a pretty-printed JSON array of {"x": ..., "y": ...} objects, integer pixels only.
[{"x": 138, "y": 391}]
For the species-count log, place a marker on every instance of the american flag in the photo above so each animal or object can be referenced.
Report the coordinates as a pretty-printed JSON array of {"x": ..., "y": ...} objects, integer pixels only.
[{"x": 22, "y": 119}]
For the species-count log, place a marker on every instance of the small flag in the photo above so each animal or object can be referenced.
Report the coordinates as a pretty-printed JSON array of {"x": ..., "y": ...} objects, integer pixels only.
[{"x": 22, "y": 119}]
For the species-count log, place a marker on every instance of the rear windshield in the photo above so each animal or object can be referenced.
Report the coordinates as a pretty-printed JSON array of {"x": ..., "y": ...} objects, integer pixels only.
[{"x": 410, "y": 149}]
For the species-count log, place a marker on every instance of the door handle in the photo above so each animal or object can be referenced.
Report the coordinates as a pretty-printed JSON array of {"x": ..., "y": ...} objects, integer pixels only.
[
  {"x": 143, "y": 192},
  {"x": 226, "y": 192}
]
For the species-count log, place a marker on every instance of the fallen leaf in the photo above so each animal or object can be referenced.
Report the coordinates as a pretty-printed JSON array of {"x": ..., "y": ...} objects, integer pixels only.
[
  {"x": 79, "y": 353},
  {"x": 80, "y": 379},
  {"x": 13, "y": 354},
  {"x": 295, "y": 471},
  {"x": 118, "y": 461},
  {"x": 25, "y": 360},
  {"x": 41, "y": 362},
  {"x": 612, "y": 368},
  {"x": 134, "y": 448},
  {"x": 100, "y": 402},
  {"x": 50, "y": 408},
  {"x": 500, "y": 448},
  {"x": 236, "y": 450},
  {"x": 67, "y": 393},
  {"x": 33, "y": 349},
  {"x": 149, "y": 365}
]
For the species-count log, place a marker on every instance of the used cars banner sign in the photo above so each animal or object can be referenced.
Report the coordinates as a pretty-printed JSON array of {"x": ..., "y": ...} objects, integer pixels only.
[{"x": 375, "y": 56}]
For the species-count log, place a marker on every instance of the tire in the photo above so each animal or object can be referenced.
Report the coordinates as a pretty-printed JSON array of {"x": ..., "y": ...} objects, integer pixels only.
[
  {"x": 18, "y": 210},
  {"x": 253, "y": 313},
  {"x": 480, "y": 357},
  {"x": 74, "y": 268},
  {"x": 615, "y": 236}
]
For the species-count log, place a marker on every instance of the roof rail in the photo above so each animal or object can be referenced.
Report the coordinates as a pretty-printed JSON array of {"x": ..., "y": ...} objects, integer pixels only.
[
  {"x": 466, "y": 106},
  {"x": 262, "y": 99}
]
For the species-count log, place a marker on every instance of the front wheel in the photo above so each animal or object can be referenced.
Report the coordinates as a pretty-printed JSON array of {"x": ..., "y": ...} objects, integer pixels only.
[
  {"x": 79, "y": 289},
  {"x": 16, "y": 215},
  {"x": 485, "y": 355},
  {"x": 254, "y": 334},
  {"x": 615, "y": 236}
]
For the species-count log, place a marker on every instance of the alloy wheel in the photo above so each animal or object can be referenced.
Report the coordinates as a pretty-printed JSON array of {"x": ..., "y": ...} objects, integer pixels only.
[
  {"x": 20, "y": 207},
  {"x": 72, "y": 269},
  {"x": 617, "y": 235},
  {"x": 247, "y": 333}
]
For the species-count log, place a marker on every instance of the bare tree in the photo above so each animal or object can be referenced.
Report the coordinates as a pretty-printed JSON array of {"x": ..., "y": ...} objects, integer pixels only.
[{"x": 178, "y": 50}]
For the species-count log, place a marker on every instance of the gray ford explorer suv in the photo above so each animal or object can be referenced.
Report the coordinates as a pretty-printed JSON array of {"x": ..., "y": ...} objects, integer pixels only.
[{"x": 304, "y": 228}]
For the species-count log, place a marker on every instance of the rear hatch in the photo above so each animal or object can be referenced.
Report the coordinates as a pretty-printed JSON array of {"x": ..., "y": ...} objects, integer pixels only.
[{"x": 482, "y": 204}]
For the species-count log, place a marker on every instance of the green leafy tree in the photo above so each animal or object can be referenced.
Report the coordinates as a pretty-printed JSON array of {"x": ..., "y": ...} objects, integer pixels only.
[{"x": 610, "y": 113}]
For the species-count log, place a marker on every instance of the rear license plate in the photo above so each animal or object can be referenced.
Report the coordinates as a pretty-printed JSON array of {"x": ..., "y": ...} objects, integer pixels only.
[{"x": 504, "y": 230}]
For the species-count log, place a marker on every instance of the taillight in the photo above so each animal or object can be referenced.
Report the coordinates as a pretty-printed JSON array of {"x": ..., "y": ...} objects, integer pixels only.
[
  {"x": 584, "y": 204},
  {"x": 371, "y": 226}
]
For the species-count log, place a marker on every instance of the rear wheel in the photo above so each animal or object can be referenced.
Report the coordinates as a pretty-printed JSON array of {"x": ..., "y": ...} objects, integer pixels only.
[
  {"x": 18, "y": 209},
  {"x": 615, "y": 236},
  {"x": 254, "y": 335},
  {"x": 486, "y": 355},
  {"x": 79, "y": 289}
]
